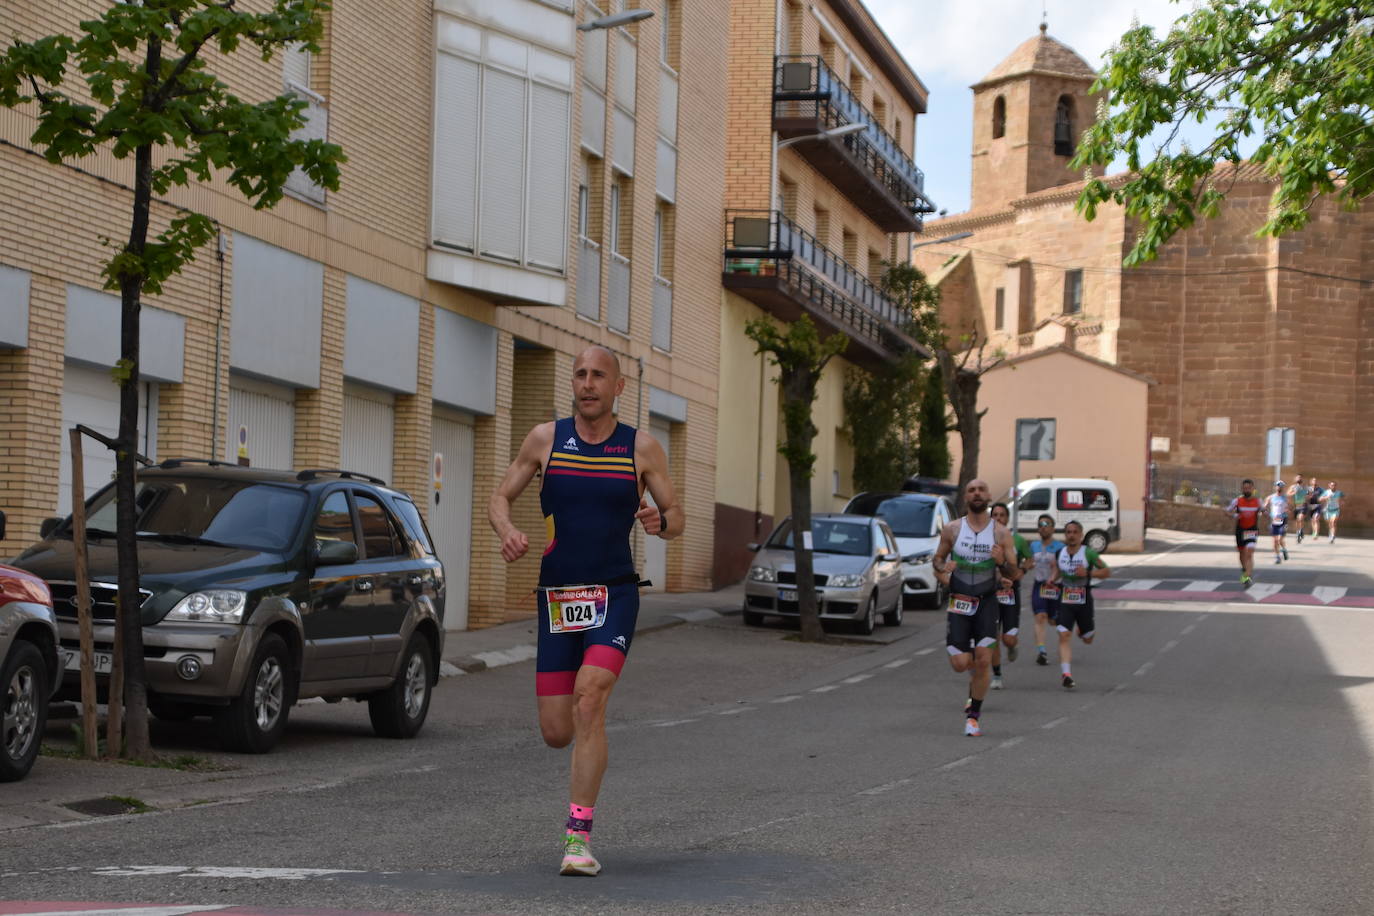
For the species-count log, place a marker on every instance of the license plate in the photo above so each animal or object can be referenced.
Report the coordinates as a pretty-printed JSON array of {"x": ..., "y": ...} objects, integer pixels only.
[
  {"x": 103, "y": 662},
  {"x": 787, "y": 594}
]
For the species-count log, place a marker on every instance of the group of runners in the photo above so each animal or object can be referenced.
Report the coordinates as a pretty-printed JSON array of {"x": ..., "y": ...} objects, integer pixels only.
[
  {"x": 981, "y": 561},
  {"x": 1308, "y": 505}
]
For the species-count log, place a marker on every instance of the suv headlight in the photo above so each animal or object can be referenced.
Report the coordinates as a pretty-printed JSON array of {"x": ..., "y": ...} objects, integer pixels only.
[
  {"x": 847, "y": 580},
  {"x": 763, "y": 574},
  {"x": 219, "y": 605},
  {"x": 918, "y": 557}
]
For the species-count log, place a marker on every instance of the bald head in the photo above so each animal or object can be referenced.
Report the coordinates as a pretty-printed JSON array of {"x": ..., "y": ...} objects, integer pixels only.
[
  {"x": 602, "y": 358},
  {"x": 977, "y": 496},
  {"x": 596, "y": 383}
]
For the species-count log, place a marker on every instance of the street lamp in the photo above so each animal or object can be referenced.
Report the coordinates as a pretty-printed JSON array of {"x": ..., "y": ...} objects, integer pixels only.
[
  {"x": 842, "y": 130},
  {"x": 949, "y": 238},
  {"x": 609, "y": 22}
]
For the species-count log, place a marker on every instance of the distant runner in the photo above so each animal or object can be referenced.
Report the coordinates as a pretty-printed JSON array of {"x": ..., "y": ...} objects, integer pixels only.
[
  {"x": 1044, "y": 593},
  {"x": 1314, "y": 508},
  {"x": 1245, "y": 509},
  {"x": 1331, "y": 507},
  {"x": 1008, "y": 599},
  {"x": 1075, "y": 568},
  {"x": 1297, "y": 496},
  {"x": 1276, "y": 504}
]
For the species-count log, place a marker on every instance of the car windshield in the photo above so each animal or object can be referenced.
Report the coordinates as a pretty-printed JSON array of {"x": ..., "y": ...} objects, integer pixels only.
[
  {"x": 908, "y": 518},
  {"x": 828, "y": 536},
  {"x": 237, "y": 513}
]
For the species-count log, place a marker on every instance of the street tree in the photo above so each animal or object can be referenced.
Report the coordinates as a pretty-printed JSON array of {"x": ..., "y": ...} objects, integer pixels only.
[
  {"x": 800, "y": 355},
  {"x": 136, "y": 80},
  {"x": 932, "y": 444},
  {"x": 1291, "y": 75},
  {"x": 881, "y": 415}
]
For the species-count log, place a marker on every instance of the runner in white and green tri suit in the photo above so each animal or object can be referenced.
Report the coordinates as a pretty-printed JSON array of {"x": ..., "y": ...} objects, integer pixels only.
[
  {"x": 1008, "y": 599},
  {"x": 1075, "y": 568}
]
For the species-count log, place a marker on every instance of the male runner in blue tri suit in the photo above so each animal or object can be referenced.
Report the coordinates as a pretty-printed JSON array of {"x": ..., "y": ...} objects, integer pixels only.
[{"x": 595, "y": 471}]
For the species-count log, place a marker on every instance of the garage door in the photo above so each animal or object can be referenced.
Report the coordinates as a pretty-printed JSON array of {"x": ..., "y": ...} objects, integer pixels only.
[
  {"x": 91, "y": 398},
  {"x": 261, "y": 424},
  {"x": 450, "y": 510},
  {"x": 655, "y": 548},
  {"x": 369, "y": 424}
]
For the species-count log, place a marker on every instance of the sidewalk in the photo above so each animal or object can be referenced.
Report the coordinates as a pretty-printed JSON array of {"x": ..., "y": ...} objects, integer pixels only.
[{"x": 470, "y": 651}]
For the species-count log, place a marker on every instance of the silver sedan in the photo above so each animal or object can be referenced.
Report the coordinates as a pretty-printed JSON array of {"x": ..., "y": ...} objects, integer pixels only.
[{"x": 857, "y": 565}]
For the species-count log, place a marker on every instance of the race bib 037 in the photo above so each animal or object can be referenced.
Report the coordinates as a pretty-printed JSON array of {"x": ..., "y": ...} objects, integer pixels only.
[
  {"x": 967, "y": 605},
  {"x": 582, "y": 607}
]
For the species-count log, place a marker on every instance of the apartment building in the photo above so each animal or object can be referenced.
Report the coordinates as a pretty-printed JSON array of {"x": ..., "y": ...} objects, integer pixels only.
[
  {"x": 516, "y": 190},
  {"x": 821, "y": 190}
]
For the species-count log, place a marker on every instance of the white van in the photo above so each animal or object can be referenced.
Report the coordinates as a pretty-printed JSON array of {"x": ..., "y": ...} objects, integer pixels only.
[{"x": 1090, "y": 501}]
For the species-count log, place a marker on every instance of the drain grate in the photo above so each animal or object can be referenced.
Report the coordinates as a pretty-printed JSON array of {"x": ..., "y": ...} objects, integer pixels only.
[{"x": 106, "y": 807}]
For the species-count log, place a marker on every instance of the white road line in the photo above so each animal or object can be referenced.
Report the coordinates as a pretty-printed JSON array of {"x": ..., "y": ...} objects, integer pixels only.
[
  {"x": 1202, "y": 617},
  {"x": 1053, "y": 723},
  {"x": 1202, "y": 585},
  {"x": 1144, "y": 669},
  {"x": 1117, "y": 689},
  {"x": 1169, "y": 646},
  {"x": 1261, "y": 590},
  {"x": 1012, "y": 742},
  {"x": 1188, "y": 629},
  {"x": 856, "y": 678},
  {"x": 511, "y": 656},
  {"x": 926, "y": 651},
  {"x": 826, "y": 689},
  {"x": 736, "y": 711},
  {"x": 887, "y": 787},
  {"x": 180, "y": 910},
  {"x": 673, "y": 722},
  {"x": 220, "y": 871},
  {"x": 898, "y": 663},
  {"x": 787, "y": 699},
  {"x": 1329, "y": 593},
  {"x": 1139, "y": 584},
  {"x": 958, "y": 763}
]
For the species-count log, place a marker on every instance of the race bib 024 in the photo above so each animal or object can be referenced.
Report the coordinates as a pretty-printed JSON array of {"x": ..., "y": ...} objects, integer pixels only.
[{"x": 582, "y": 607}]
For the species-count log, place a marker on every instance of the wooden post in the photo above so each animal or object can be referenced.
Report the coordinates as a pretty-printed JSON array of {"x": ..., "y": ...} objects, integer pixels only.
[{"x": 83, "y": 598}]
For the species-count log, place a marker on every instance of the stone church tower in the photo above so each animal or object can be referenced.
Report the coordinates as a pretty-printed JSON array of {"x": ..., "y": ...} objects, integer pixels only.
[{"x": 1028, "y": 115}]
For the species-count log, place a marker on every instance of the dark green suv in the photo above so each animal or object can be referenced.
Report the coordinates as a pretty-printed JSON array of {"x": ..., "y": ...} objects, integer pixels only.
[{"x": 261, "y": 588}]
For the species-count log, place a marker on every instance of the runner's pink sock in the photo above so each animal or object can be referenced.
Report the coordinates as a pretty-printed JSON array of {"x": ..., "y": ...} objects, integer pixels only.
[{"x": 580, "y": 819}]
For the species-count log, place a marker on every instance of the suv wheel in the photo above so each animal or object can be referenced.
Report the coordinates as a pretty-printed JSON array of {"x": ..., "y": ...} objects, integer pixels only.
[
  {"x": 25, "y": 711},
  {"x": 399, "y": 711},
  {"x": 1097, "y": 541},
  {"x": 254, "y": 721}
]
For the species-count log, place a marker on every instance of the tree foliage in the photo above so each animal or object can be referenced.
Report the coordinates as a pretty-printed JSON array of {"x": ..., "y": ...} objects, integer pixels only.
[
  {"x": 882, "y": 414},
  {"x": 801, "y": 356},
  {"x": 1296, "y": 76},
  {"x": 145, "y": 91},
  {"x": 932, "y": 445}
]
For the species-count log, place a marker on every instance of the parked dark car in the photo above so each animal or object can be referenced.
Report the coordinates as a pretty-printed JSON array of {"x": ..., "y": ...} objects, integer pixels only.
[
  {"x": 260, "y": 588},
  {"x": 29, "y": 667}
]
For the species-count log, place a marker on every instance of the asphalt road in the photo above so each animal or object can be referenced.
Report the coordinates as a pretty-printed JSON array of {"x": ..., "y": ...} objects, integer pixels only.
[{"x": 1215, "y": 759}]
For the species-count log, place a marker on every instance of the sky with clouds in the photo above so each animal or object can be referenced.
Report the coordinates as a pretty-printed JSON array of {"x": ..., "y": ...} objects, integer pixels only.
[{"x": 952, "y": 45}]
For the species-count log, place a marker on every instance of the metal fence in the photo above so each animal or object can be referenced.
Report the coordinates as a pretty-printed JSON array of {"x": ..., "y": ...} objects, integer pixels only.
[{"x": 1195, "y": 486}]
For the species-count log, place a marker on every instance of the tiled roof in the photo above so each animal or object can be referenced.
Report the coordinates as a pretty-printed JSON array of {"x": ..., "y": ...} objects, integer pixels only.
[{"x": 1041, "y": 54}]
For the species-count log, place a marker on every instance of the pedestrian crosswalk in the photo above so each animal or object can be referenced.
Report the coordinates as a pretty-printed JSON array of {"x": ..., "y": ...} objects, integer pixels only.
[{"x": 1212, "y": 590}]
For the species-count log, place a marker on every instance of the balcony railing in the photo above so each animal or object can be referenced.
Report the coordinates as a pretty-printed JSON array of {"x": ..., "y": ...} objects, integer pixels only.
[
  {"x": 589, "y": 279},
  {"x": 809, "y": 98},
  {"x": 663, "y": 314},
  {"x": 618, "y": 293},
  {"x": 774, "y": 262}
]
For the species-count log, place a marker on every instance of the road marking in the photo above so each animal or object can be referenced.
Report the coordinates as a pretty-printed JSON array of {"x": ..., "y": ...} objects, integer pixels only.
[
  {"x": 856, "y": 678},
  {"x": 1012, "y": 742},
  {"x": 514, "y": 655},
  {"x": 787, "y": 699},
  {"x": 1202, "y": 585},
  {"x": 958, "y": 763},
  {"x": 672, "y": 722},
  {"x": 220, "y": 871},
  {"x": 1188, "y": 629},
  {"x": 1202, "y": 617},
  {"x": 1329, "y": 593},
  {"x": 826, "y": 689},
  {"x": 1170, "y": 645},
  {"x": 898, "y": 663},
  {"x": 1261, "y": 590},
  {"x": 887, "y": 786},
  {"x": 736, "y": 711},
  {"x": 1139, "y": 585},
  {"x": 926, "y": 651},
  {"x": 1055, "y": 722},
  {"x": 1118, "y": 688},
  {"x": 1144, "y": 669},
  {"x": 178, "y": 910}
]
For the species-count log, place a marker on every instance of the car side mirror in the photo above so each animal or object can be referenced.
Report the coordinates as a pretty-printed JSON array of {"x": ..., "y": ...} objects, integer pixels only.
[
  {"x": 752, "y": 547},
  {"x": 48, "y": 527},
  {"x": 336, "y": 553},
  {"x": 890, "y": 557}
]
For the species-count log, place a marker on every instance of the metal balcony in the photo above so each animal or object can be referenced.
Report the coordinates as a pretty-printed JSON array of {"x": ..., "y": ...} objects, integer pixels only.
[
  {"x": 782, "y": 268},
  {"x": 869, "y": 165}
]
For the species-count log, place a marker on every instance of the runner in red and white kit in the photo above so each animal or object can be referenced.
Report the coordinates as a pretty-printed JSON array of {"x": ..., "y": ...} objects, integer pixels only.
[{"x": 1245, "y": 509}]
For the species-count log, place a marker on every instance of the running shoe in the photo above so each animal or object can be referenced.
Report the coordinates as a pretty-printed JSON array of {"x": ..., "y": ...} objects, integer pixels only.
[
  {"x": 1285, "y": 552},
  {"x": 1246, "y": 581},
  {"x": 1041, "y": 658},
  {"x": 1299, "y": 537},
  {"x": 1012, "y": 653},
  {"x": 1333, "y": 539},
  {"x": 1277, "y": 561},
  {"x": 996, "y": 682},
  {"x": 577, "y": 857},
  {"x": 1068, "y": 682},
  {"x": 971, "y": 728}
]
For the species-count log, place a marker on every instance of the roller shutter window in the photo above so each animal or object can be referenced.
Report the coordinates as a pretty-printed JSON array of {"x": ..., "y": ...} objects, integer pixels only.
[
  {"x": 90, "y": 398},
  {"x": 369, "y": 427},
  {"x": 457, "y": 142},
  {"x": 450, "y": 511},
  {"x": 550, "y": 115},
  {"x": 266, "y": 415},
  {"x": 503, "y": 164}
]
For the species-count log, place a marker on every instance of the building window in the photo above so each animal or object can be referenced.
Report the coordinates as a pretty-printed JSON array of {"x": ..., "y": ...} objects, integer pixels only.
[
  {"x": 296, "y": 76},
  {"x": 822, "y": 223},
  {"x": 613, "y": 229},
  {"x": 880, "y": 112},
  {"x": 999, "y": 310},
  {"x": 1073, "y": 292},
  {"x": 999, "y": 118},
  {"x": 897, "y": 134},
  {"x": 660, "y": 238},
  {"x": 875, "y": 267},
  {"x": 851, "y": 246},
  {"x": 787, "y": 197},
  {"x": 670, "y": 31},
  {"x": 502, "y": 140},
  {"x": 1063, "y": 127}
]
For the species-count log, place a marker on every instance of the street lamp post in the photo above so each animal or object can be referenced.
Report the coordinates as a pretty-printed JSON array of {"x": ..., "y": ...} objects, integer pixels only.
[
  {"x": 841, "y": 131},
  {"x": 949, "y": 238},
  {"x": 615, "y": 19}
]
